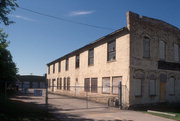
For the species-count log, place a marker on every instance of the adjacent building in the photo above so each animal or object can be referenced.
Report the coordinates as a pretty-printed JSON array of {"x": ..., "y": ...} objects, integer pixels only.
[{"x": 139, "y": 63}]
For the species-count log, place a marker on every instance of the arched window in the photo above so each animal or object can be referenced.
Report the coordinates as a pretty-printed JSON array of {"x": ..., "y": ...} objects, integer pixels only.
[{"x": 171, "y": 85}]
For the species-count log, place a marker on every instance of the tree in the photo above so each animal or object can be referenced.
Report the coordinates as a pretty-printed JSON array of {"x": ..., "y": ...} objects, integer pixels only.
[
  {"x": 8, "y": 68},
  {"x": 6, "y": 6}
]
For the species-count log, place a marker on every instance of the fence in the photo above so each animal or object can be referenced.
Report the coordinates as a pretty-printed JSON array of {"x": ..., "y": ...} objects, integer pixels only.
[
  {"x": 111, "y": 97},
  {"x": 85, "y": 97}
]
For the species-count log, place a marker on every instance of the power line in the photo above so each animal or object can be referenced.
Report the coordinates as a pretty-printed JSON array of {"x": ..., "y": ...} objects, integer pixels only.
[{"x": 66, "y": 20}]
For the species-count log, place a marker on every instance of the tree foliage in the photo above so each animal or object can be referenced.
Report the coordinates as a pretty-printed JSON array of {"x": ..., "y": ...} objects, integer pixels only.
[
  {"x": 8, "y": 68},
  {"x": 6, "y": 6}
]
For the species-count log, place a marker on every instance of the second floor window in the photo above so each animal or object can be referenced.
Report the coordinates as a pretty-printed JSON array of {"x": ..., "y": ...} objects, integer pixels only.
[
  {"x": 67, "y": 64},
  {"x": 48, "y": 69},
  {"x": 59, "y": 66},
  {"x": 162, "y": 50},
  {"x": 111, "y": 54},
  {"x": 177, "y": 52},
  {"x": 146, "y": 47},
  {"x": 77, "y": 61},
  {"x": 91, "y": 57},
  {"x": 54, "y": 68}
]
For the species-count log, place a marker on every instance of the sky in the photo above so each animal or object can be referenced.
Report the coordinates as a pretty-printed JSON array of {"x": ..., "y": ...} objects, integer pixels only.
[{"x": 36, "y": 40}]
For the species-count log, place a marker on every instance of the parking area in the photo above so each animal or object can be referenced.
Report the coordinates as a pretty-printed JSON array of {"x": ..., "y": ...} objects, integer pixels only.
[{"x": 69, "y": 109}]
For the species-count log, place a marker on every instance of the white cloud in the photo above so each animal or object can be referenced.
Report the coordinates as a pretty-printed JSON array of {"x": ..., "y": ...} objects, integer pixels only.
[
  {"x": 24, "y": 18},
  {"x": 79, "y": 13}
]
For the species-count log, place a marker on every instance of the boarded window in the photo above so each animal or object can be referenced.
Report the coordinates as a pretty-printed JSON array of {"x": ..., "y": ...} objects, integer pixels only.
[
  {"x": 65, "y": 84},
  {"x": 60, "y": 83},
  {"x": 49, "y": 83},
  {"x": 111, "y": 55},
  {"x": 67, "y": 64},
  {"x": 94, "y": 85},
  {"x": 87, "y": 85},
  {"x": 162, "y": 50},
  {"x": 91, "y": 57},
  {"x": 68, "y": 83},
  {"x": 176, "y": 52},
  {"x": 152, "y": 87},
  {"x": 59, "y": 66},
  {"x": 77, "y": 61},
  {"x": 171, "y": 86},
  {"x": 137, "y": 87},
  {"x": 57, "y": 83},
  {"x": 146, "y": 47},
  {"x": 115, "y": 84},
  {"x": 106, "y": 85}
]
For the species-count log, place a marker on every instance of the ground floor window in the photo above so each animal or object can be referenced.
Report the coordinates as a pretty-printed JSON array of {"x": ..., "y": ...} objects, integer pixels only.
[
  {"x": 94, "y": 85},
  {"x": 137, "y": 87},
  {"x": 115, "y": 84},
  {"x": 87, "y": 84},
  {"x": 152, "y": 87},
  {"x": 60, "y": 83},
  {"x": 57, "y": 83},
  {"x": 106, "y": 84},
  {"x": 64, "y": 84},
  {"x": 171, "y": 86},
  {"x": 68, "y": 83}
]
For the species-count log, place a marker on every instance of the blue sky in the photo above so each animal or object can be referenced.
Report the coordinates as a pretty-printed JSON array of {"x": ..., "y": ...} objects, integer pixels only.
[{"x": 36, "y": 40}]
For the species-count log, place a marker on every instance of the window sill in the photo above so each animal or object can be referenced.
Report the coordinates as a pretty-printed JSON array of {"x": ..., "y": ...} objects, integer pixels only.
[
  {"x": 90, "y": 65},
  {"x": 110, "y": 61}
]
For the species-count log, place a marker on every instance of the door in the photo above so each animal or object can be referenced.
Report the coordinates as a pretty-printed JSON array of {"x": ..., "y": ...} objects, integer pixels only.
[{"x": 162, "y": 91}]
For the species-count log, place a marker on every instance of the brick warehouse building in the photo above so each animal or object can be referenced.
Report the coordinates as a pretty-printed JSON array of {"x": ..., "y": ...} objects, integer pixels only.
[{"x": 144, "y": 57}]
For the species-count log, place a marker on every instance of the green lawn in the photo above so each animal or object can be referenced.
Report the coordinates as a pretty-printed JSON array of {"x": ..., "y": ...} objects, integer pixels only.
[
  {"x": 166, "y": 116},
  {"x": 20, "y": 111},
  {"x": 165, "y": 107}
]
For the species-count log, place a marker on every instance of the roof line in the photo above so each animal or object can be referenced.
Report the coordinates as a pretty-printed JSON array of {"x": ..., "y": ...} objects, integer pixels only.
[{"x": 94, "y": 42}]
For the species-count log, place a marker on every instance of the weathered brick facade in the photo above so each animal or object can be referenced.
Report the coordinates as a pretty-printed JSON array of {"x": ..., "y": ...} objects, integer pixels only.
[{"x": 129, "y": 64}]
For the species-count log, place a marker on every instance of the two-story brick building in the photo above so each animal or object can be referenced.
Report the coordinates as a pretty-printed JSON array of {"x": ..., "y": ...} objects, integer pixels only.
[{"x": 143, "y": 57}]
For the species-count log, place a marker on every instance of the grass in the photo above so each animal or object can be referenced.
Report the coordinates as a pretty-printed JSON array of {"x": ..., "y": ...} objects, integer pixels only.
[
  {"x": 20, "y": 111},
  {"x": 177, "y": 117},
  {"x": 173, "y": 108}
]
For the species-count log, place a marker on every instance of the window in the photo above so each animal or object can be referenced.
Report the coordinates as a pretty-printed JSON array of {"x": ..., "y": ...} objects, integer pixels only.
[
  {"x": 67, "y": 64},
  {"x": 64, "y": 83},
  {"x": 54, "y": 68},
  {"x": 115, "y": 84},
  {"x": 87, "y": 85},
  {"x": 162, "y": 50},
  {"x": 111, "y": 55},
  {"x": 171, "y": 86},
  {"x": 137, "y": 87},
  {"x": 48, "y": 69},
  {"x": 60, "y": 83},
  {"x": 77, "y": 61},
  {"x": 57, "y": 83},
  {"x": 176, "y": 52},
  {"x": 106, "y": 85},
  {"x": 146, "y": 47},
  {"x": 59, "y": 66},
  {"x": 152, "y": 87},
  {"x": 49, "y": 83},
  {"x": 68, "y": 83},
  {"x": 91, "y": 57},
  {"x": 94, "y": 85}
]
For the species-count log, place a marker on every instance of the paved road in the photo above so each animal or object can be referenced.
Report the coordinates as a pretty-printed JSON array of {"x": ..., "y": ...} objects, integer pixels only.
[{"x": 71, "y": 109}]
